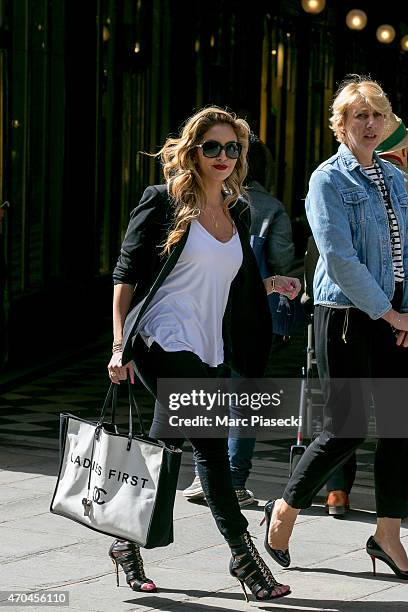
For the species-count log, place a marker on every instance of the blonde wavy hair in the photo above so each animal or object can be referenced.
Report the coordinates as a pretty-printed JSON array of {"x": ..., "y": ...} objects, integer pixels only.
[
  {"x": 178, "y": 157},
  {"x": 356, "y": 88}
]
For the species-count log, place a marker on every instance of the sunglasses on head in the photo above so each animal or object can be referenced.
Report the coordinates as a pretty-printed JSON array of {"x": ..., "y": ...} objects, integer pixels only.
[{"x": 212, "y": 148}]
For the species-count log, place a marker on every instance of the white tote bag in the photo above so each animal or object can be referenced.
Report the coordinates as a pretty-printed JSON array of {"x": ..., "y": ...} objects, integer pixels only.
[{"x": 119, "y": 484}]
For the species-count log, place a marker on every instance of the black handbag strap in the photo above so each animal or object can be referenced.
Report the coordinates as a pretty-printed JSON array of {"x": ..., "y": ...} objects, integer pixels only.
[
  {"x": 111, "y": 399},
  {"x": 132, "y": 400},
  {"x": 113, "y": 405}
]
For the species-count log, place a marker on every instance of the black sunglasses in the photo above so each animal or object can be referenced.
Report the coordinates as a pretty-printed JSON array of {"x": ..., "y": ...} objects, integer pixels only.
[{"x": 212, "y": 148}]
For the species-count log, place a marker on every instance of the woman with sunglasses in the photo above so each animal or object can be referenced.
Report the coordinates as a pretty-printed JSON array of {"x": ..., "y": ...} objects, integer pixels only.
[{"x": 188, "y": 297}]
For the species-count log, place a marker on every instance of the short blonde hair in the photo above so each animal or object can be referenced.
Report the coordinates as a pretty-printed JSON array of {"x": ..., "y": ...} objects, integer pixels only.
[{"x": 356, "y": 88}]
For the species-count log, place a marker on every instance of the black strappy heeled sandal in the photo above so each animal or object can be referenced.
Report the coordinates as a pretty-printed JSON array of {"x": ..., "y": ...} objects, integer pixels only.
[
  {"x": 248, "y": 567},
  {"x": 127, "y": 555}
]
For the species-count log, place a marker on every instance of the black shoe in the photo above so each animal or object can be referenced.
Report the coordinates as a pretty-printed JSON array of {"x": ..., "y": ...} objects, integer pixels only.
[
  {"x": 376, "y": 552},
  {"x": 248, "y": 567},
  {"x": 280, "y": 556},
  {"x": 127, "y": 555}
]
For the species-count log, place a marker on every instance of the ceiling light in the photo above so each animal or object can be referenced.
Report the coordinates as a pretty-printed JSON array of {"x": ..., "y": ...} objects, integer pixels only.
[
  {"x": 385, "y": 34},
  {"x": 356, "y": 19},
  {"x": 313, "y": 6}
]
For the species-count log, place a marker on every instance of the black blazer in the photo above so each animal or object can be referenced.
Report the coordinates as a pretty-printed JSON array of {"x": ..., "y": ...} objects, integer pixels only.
[{"x": 247, "y": 321}]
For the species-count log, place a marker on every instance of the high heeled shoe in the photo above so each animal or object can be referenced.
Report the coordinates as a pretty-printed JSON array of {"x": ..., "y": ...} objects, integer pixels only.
[
  {"x": 127, "y": 555},
  {"x": 280, "y": 556},
  {"x": 248, "y": 567},
  {"x": 376, "y": 552}
]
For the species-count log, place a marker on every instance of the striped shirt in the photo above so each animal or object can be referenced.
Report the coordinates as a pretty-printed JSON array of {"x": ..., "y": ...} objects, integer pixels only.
[{"x": 375, "y": 173}]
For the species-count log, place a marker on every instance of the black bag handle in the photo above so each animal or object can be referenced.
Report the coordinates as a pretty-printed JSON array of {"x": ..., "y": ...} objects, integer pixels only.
[
  {"x": 113, "y": 405},
  {"x": 111, "y": 398},
  {"x": 132, "y": 399}
]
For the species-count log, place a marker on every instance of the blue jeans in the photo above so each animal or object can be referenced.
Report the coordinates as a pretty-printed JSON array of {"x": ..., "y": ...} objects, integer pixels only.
[{"x": 240, "y": 451}]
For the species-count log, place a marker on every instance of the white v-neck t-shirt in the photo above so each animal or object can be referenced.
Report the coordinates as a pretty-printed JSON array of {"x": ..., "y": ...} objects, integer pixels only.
[{"x": 187, "y": 310}]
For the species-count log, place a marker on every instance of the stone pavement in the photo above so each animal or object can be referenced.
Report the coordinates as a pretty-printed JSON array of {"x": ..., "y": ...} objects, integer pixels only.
[
  {"x": 330, "y": 568},
  {"x": 40, "y": 551}
]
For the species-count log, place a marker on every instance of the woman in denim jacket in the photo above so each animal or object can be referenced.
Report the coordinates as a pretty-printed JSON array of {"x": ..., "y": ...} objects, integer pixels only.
[{"x": 357, "y": 207}]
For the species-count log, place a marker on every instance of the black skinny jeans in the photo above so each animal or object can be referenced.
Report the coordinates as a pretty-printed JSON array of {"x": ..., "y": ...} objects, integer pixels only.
[
  {"x": 211, "y": 454},
  {"x": 369, "y": 351}
]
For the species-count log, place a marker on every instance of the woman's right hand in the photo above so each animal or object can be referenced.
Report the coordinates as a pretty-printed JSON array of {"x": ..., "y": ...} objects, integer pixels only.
[{"x": 118, "y": 372}]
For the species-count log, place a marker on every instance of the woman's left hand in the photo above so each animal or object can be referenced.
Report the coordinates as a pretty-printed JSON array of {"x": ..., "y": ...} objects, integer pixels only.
[
  {"x": 402, "y": 339},
  {"x": 284, "y": 285}
]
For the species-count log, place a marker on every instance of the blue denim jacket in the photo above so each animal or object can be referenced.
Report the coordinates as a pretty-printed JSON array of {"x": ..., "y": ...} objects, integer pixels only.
[{"x": 350, "y": 225}]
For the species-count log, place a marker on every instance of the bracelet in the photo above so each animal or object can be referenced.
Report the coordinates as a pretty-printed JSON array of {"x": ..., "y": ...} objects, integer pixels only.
[
  {"x": 273, "y": 280},
  {"x": 117, "y": 347}
]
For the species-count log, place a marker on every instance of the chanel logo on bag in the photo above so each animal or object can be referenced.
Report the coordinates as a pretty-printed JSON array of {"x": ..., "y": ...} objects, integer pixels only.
[{"x": 97, "y": 494}]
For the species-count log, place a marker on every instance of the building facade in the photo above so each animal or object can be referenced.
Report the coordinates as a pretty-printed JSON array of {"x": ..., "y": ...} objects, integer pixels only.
[{"x": 86, "y": 88}]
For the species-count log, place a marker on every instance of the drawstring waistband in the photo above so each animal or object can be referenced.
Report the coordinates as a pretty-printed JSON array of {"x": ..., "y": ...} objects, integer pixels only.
[{"x": 345, "y": 326}]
